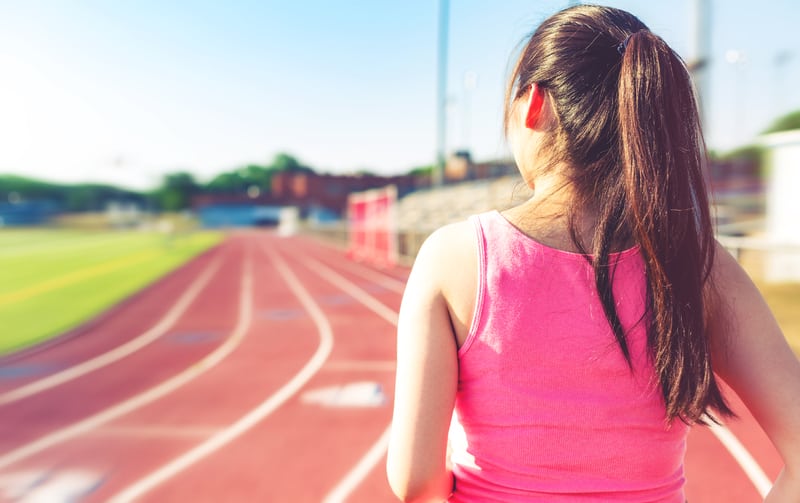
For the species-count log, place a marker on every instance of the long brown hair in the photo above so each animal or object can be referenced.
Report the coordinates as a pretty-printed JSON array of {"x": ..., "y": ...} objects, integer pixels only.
[{"x": 629, "y": 128}]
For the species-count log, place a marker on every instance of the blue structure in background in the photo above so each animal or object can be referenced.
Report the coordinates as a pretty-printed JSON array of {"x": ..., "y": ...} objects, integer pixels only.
[
  {"x": 321, "y": 215},
  {"x": 238, "y": 215},
  {"x": 27, "y": 213}
]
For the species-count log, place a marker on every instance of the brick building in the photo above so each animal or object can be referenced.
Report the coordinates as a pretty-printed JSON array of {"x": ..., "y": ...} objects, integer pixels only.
[
  {"x": 308, "y": 190},
  {"x": 312, "y": 193}
]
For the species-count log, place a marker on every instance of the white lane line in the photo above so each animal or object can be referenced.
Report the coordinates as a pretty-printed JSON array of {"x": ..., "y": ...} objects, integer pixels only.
[
  {"x": 152, "y": 394},
  {"x": 259, "y": 413},
  {"x": 376, "y": 277},
  {"x": 366, "y": 272},
  {"x": 54, "y": 485},
  {"x": 354, "y": 291},
  {"x": 367, "y": 463},
  {"x": 109, "y": 357},
  {"x": 742, "y": 456},
  {"x": 359, "y": 472}
]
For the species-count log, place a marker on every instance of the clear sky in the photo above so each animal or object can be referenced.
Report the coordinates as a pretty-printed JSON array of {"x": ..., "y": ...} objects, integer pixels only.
[{"x": 125, "y": 91}]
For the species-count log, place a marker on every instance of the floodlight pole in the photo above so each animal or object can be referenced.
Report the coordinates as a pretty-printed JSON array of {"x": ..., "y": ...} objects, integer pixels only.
[
  {"x": 441, "y": 94},
  {"x": 699, "y": 59}
]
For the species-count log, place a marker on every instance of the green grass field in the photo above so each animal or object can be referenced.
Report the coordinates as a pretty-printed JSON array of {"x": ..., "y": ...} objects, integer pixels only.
[
  {"x": 784, "y": 300},
  {"x": 53, "y": 280}
]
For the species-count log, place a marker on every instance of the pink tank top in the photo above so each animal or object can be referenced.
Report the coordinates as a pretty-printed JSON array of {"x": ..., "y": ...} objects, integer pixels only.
[{"x": 548, "y": 408}]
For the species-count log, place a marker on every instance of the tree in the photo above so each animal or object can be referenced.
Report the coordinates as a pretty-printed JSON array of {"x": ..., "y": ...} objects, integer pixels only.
[
  {"x": 286, "y": 162},
  {"x": 241, "y": 179},
  {"x": 227, "y": 183},
  {"x": 785, "y": 123},
  {"x": 79, "y": 197},
  {"x": 422, "y": 171},
  {"x": 748, "y": 153},
  {"x": 176, "y": 191}
]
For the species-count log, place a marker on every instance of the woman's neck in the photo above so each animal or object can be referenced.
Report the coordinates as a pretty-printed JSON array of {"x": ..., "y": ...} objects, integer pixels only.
[{"x": 546, "y": 215}]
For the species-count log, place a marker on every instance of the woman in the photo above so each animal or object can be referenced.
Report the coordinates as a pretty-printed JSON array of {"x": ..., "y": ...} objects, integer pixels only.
[{"x": 579, "y": 335}]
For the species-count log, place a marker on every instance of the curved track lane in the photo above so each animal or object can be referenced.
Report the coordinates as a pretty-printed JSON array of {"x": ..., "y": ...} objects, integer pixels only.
[{"x": 242, "y": 399}]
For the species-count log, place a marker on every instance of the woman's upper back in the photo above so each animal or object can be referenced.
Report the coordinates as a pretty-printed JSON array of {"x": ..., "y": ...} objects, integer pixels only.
[{"x": 547, "y": 402}]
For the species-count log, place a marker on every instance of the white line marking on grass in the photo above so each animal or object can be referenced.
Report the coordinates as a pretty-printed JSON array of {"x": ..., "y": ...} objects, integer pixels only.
[
  {"x": 359, "y": 472},
  {"x": 742, "y": 456},
  {"x": 61, "y": 244},
  {"x": 119, "y": 352},
  {"x": 152, "y": 394},
  {"x": 259, "y": 413},
  {"x": 77, "y": 276}
]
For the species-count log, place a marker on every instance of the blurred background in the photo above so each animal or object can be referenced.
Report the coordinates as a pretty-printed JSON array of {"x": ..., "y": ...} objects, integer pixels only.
[
  {"x": 205, "y": 115},
  {"x": 135, "y": 135}
]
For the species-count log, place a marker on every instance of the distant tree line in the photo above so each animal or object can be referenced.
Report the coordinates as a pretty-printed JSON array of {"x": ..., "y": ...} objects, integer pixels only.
[
  {"x": 72, "y": 198},
  {"x": 174, "y": 193},
  {"x": 177, "y": 189},
  {"x": 755, "y": 153}
]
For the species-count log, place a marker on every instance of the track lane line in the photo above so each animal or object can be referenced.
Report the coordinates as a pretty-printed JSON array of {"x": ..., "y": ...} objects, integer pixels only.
[
  {"x": 354, "y": 291},
  {"x": 109, "y": 357},
  {"x": 256, "y": 415},
  {"x": 376, "y": 277},
  {"x": 372, "y": 457},
  {"x": 360, "y": 471},
  {"x": 152, "y": 394},
  {"x": 746, "y": 461},
  {"x": 386, "y": 280}
]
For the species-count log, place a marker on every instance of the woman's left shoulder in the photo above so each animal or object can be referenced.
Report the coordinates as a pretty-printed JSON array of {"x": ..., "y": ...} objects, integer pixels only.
[{"x": 448, "y": 251}]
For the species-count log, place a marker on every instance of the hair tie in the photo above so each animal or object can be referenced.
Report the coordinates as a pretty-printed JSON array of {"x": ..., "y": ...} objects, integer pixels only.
[{"x": 624, "y": 45}]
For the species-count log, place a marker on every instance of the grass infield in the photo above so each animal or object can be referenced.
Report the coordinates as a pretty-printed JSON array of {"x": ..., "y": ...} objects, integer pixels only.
[
  {"x": 784, "y": 300},
  {"x": 54, "y": 280}
]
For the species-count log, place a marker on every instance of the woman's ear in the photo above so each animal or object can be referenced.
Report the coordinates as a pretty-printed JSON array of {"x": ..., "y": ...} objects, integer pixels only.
[{"x": 534, "y": 107}]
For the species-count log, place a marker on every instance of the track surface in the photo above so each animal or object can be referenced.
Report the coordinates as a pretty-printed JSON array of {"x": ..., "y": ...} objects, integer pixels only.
[{"x": 260, "y": 371}]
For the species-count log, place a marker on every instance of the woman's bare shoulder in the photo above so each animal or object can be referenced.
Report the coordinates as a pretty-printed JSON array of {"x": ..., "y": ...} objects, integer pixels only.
[
  {"x": 448, "y": 250},
  {"x": 448, "y": 261}
]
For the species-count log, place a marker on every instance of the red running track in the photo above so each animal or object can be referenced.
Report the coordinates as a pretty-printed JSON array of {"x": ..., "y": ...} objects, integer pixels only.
[{"x": 260, "y": 371}]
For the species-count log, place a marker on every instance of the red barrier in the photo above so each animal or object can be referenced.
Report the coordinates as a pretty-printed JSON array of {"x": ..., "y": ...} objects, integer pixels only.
[{"x": 372, "y": 226}]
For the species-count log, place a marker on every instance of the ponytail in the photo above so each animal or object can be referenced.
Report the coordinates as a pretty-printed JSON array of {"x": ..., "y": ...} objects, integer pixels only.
[
  {"x": 629, "y": 134},
  {"x": 662, "y": 157}
]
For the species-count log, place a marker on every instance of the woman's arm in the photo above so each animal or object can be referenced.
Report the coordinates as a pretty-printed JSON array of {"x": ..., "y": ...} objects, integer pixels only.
[
  {"x": 427, "y": 377},
  {"x": 751, "y": 354}
]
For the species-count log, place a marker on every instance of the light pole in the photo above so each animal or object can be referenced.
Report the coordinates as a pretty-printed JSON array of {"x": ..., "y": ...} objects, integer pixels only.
[
  {"x": 738, "y": 59},
  {"x": 780, "y": 62},
  {"x": 470, "y": 84},
  {"x": 698, "y": 60},
  {"x": 441, "y": 94}
]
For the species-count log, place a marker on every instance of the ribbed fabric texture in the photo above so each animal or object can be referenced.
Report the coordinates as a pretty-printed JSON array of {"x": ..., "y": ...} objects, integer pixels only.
[{"x": 549, "y": 408}]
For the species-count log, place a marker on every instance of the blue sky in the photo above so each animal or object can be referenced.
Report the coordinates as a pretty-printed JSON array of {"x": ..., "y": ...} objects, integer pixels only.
[{"x": 124, "y": 91}]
